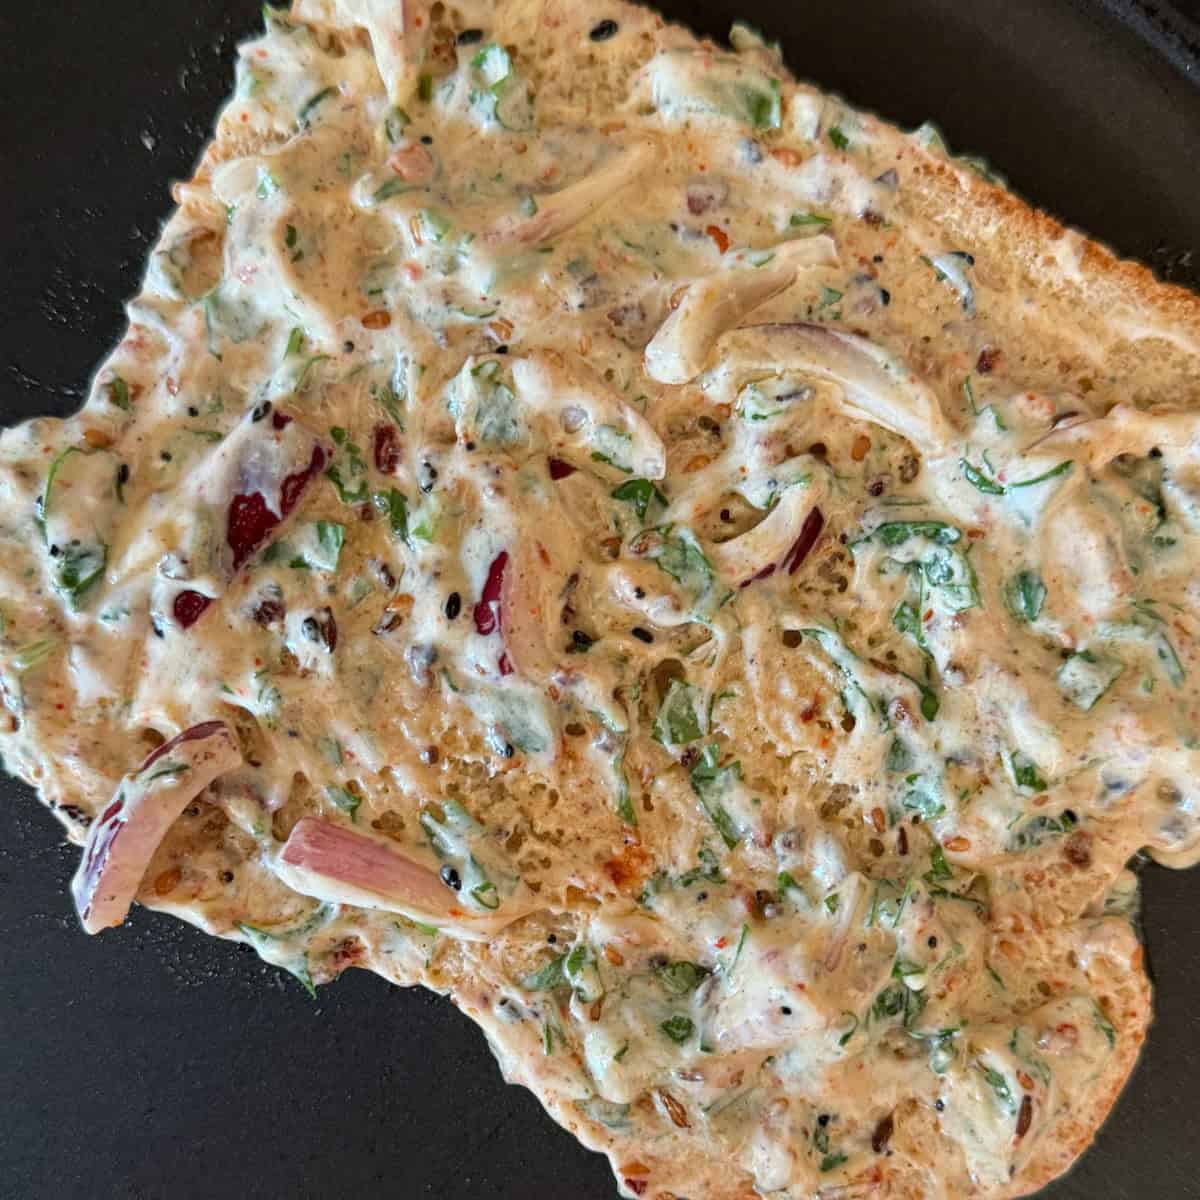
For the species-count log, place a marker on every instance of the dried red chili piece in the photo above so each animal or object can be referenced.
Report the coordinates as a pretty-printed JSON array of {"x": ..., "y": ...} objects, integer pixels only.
[
  {"x": 188, "y": 607},
  {"x": 487, "y": 610},
  {"x": 387, "y": 449}
]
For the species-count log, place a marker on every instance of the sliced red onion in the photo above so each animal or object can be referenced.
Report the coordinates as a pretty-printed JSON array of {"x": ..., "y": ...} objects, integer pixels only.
[
  {"x": 531, "y": 591},
  {"x": 193, "y": 733},
  {"x": 584, "y": 421},
  {"x": 122, "y": 842},
  {"x": 365, "y": 862},
  {"x": 1125, "y": 430},
  {"x": 809, "y": 532},
  {"x": 499, "y": 610},
  {"x": 876, "y": 385},
  {"x": 765, "y": 573},
  {"x": 334, "y": 863},
  {"x": 774, "y": 544},
  {"x": 559, "y": 211},
  {"x": 719, "y": 302},
  {"x": 400, "y": 43}
]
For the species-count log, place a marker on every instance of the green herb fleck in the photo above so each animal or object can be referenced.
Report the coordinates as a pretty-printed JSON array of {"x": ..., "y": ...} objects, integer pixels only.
[
  {"x": 979, "y": 481},
  {"x": 899, "y": 758},
  {"x": 929, "y": 701},
  {"x": 79, "y": 567},
  {"x": 394, "y": 504},
  {"x": 343, "y": 799},
  {"x": 311, "y": 104},
  {"x": 896, "y": 533},
  {"x": 1025, "y": 772},
  {"x": 737, "y": 954},
  {"x": 394, "y": 125},
  {"x": 168, "y": 770},
  {"x": 939, "y": 869},
  {"x": 677, "y": 723},
  {"x": 800, "y": 218},
  {"x": 710, "y": 783},
  {"x": 1061, "y": 469},
  {"x": 1025, "y": 593},
  {"x": 907, "y": 620},
  {"x": 393, "y": 187},
  {"x": 999, "y": 1085},
  {"x": 678, "y": 1028},
  {"x": 1037, "y": 830},
  {"x": 547, "y": 978},
  {"x": 330, "y": 749},
  {"x": 640, "y": 493},
  {"x": 681, "y": 978},
  {"x": 118, "y": 393},
  {"x": 921, "y": 797}
]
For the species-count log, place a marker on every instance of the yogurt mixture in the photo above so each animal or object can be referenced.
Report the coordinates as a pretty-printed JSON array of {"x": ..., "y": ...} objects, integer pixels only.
[{"x": 566, "y": 527}]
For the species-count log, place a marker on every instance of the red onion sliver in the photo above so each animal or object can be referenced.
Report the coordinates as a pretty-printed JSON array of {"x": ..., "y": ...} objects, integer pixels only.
[
  {"x": 121, "y": 843},
  {"x": 809, "y": 532}
]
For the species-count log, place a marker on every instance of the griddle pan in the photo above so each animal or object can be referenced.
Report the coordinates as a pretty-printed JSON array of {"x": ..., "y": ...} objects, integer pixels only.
[{"x": 156, "y": 1062}]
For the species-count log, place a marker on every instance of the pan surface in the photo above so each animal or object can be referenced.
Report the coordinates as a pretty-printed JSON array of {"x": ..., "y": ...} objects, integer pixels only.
[{"x": 157, "y": 1062}]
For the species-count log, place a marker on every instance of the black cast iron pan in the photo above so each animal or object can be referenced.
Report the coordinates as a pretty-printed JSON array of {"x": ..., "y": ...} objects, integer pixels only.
[{"x": 154, "y": 1062}]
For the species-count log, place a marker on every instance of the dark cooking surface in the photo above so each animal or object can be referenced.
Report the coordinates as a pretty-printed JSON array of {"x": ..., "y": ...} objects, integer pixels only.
[{"x": 154, "y": 1062}]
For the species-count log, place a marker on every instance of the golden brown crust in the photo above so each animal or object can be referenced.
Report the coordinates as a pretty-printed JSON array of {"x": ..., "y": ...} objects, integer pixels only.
[
  {"x": 927, "y": 1162},
  {"x": 1121, "y": 332},
  {"x": 965, "y": 203},
  {"x": 1127, "y": 1003},
  {"x": 1057, "y": 883}
]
